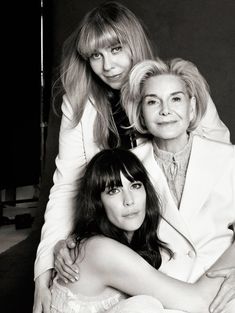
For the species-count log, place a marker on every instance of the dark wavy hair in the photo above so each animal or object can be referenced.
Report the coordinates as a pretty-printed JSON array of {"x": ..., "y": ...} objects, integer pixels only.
[{"x": 104, "y": 171}]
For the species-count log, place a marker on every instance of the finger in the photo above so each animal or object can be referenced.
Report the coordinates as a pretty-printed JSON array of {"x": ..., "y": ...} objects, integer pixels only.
[
  {"x": 71, "y": 242},
  {"x": 219, "y": 304},
  {"x": 64, "y": 269},
  {"x": 68, "y": 260},
  {"x": 65, "y": 273},
  {"x": 219, "y": 273},
  {"x": 59, "y": 245}
]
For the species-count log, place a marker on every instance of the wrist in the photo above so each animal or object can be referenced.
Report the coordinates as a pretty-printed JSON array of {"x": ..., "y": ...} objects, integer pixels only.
[{"x": 44, "y": 279}]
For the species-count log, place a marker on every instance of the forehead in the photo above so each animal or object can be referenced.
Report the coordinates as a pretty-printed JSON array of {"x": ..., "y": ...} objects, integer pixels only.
[
  {"x": 165, "y": 83},
  {"x": 95, "y": 39}
]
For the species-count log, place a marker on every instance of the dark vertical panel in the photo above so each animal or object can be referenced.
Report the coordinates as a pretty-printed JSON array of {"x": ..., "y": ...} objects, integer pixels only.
[{"x": 20, "y": 95}]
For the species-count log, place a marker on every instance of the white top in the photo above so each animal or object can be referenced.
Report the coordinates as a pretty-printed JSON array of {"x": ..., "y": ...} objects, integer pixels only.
[{"x": 64, "y": 300}]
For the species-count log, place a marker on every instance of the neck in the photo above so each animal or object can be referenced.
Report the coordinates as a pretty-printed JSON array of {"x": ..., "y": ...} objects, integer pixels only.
[
  {"x": 129, "y": 235},
  {"x": 172, "y": 145}
]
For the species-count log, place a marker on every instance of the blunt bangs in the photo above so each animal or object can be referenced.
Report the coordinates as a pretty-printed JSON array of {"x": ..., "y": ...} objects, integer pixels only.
[
  {"x": 109, "y": 167},
  {"x": 95, "y": 37}
]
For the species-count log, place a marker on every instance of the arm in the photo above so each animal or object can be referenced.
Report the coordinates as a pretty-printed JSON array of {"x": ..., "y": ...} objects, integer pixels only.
[
  {"x": 70, "y": 163},
  {"x": 121, "y": 268},
  {"x": 225, "y": 268},
  {"x": 59, "y": 212},
  {"x": 42, "y": 294},
  {"x": 211, "y": 125}
]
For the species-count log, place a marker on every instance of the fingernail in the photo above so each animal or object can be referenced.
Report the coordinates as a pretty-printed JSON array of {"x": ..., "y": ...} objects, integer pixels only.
[
  {"x": 72, "y": 280},
  {"x": 76, "y": 270},
  {"x": 66, "y": 281},
  {"x": 76, "y": 277}
]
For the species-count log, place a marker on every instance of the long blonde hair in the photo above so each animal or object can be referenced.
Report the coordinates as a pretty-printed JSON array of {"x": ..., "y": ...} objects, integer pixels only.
[{"x": 108, "y": 23}]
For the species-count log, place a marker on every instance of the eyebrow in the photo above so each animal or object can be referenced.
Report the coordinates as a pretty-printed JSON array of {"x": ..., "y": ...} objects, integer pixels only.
[{"x": 156, "y": 96}]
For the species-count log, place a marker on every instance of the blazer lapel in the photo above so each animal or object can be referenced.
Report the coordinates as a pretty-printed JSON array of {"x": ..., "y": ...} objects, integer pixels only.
[
  {"x": 205, "y": 166},
  {"x": 170, "y": 212}
]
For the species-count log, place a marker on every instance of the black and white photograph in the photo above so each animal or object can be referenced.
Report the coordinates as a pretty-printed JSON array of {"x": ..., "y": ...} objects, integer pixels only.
[{"x": 118, "y": 168}]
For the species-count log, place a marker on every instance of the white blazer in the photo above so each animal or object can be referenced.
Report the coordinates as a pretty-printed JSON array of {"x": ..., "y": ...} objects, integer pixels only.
[
  {"x": 76, "y": 148},
  {"x": 198, "y": 231}
]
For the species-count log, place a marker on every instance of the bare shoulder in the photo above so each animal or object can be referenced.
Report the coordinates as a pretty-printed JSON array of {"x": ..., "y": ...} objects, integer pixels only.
[
  {"x": 100, "y": 251},
  {"x": 98, "y": 245}
]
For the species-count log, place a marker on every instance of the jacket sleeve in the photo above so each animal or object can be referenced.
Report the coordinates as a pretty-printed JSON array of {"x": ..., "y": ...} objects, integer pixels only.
[
  {"x": 70, "y": 163},
  {"x": 211, "y": 125}
]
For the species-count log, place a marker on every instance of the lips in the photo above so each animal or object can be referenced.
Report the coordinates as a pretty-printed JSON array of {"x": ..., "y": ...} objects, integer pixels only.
[
  {"x": 113, "y": 77},
  {"x": 166, "y": 122},
  {"x": 132, "y": 214}
]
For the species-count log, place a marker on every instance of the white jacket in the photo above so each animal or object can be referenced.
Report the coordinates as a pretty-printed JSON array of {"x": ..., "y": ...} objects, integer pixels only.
[
  {"x": 76, "y": 148},
  {"x": 197, "y": 232}
]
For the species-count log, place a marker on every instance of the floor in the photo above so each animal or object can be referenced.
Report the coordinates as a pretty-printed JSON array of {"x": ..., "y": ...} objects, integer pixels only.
[{"x": 9, "y": 235}]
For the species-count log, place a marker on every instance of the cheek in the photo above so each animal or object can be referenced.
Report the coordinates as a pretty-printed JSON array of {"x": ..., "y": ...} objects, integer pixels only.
[
  {"x": 111, "y": 210},
  {"x": 95, "y": 67},
  {"x": 147, "y": 114},
  {"x": 127, "y": 61},
  {"x": 187, "y": 114},
  {"x": 113, "y": 217}
]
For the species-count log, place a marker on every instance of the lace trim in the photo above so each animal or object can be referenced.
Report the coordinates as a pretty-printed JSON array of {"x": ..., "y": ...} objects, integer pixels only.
[{"x": 63, "y": 300}]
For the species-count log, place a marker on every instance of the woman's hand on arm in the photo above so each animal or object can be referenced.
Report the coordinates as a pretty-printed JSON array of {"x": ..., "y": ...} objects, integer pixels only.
[
  {"x": 42, "y": 293},
  {"x": 64, "y": 260},
  {"x": 224, "y": 268},
  {"x": 227, "y": 290}
]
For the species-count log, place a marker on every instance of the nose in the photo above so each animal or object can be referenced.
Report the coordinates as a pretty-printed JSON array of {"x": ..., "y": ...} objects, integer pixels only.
[
  {"x": 128, "y": 198},
  {"x": 107, "y": 62},
  {"x": 164, "y": 108}
]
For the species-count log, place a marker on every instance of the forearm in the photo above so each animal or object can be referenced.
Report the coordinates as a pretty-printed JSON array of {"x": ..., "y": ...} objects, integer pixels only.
[
  {"x": 57, "y": 226},
  {"x": 43, "y": 280},
  {"x": 209, "y": 287}
]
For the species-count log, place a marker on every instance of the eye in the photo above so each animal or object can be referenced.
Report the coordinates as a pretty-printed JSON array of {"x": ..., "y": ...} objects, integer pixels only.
[
  {"x": 116, "y": 49},
  {"x": 113, "y": 191},
  {"x": 152, "y": 101},
  {"x": 136, "y": 185},
  {"x": 176, "y": 99},
  {"x": 95, "y": 56}
]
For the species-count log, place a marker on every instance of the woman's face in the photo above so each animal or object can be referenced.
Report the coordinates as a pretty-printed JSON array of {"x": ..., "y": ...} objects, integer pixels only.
[
  {"x": 125, "y": 205},
  {"x": 167, "y": 108},
  {"x": 112, "y": 64}
]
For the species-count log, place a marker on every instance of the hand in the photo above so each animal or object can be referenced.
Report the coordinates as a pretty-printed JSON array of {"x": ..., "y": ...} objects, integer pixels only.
[
  {"x": 227, "y": 289},
  {"x": 42, "y": 294},
  {"x": 64, "y": 257}
]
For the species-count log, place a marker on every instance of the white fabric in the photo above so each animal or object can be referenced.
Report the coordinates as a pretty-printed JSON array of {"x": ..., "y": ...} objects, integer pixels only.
[
  {"x": 198, "y": 231},
  {"x": 65, "y": 301},
  {"x": 76, "y": 148}
]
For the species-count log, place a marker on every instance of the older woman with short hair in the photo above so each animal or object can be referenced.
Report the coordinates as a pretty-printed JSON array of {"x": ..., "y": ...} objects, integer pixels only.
[{"x": 195, "y": 176}]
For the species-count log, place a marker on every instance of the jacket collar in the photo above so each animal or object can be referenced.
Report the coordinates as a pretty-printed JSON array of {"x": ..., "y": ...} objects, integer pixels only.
[{"x": 205, "y": 167}]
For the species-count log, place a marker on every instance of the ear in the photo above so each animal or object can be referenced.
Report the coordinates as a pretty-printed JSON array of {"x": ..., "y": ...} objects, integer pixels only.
[{"x": 193, "y": 103}]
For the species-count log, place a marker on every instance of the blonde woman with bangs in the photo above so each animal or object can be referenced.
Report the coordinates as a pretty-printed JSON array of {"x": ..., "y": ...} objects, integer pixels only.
[{"x": 96, "y": 62}]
